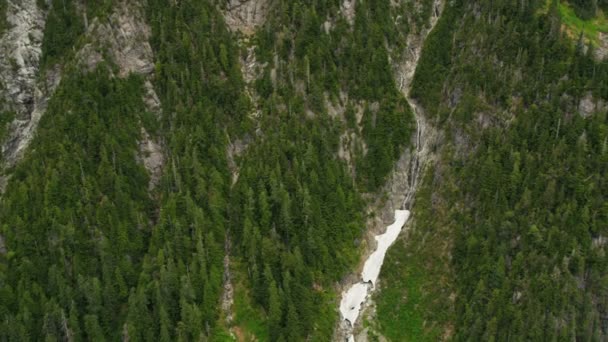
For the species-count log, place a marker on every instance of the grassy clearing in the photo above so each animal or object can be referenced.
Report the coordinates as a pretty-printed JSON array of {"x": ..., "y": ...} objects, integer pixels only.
[
  {"x": 575, "y": 25},
  {"x": 590, "y": 28},
  {"x": 249, "y": 322}
]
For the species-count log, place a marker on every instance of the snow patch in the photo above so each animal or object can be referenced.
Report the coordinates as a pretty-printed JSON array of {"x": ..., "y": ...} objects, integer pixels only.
[
  {"x": 356, "y": 295},
  {"x": 372, "y": 266},
  {"x": 350, "y": 306}
]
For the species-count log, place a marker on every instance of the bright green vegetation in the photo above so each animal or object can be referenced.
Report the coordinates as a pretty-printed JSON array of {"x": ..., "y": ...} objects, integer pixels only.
[
  {"x": 414, "y": 303},
  {"x": 577, "y": 24},
  {"x": 589, "y": 27},
  {"x": 248, "y": 322}
]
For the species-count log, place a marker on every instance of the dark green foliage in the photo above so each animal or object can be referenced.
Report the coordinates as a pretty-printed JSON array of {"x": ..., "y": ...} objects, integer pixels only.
[
  {"x": 73, "y": 214},
  {"x": 93, "y": 255},
  {"x": 296, "y": 212},
  {"x": 3, "y": 21},
  {"x": 5, "y": 120},
  {"x": 200, "y": 89},
  {"x": 63, "y": 27},
  {"x": 298, "y": 216},
  {"x": 585, "y": 9},
  {"x": 528, "y": 259},
  {"x": 539, "y": 200},
  {"x": 352, "y": 59},
  {"x": 414, "y": 303}
]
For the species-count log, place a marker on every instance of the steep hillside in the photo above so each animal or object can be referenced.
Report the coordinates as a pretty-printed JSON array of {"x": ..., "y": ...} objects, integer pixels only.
[
  {"x": 515, "y": 221},
  {"x": 218, "y": 170}
]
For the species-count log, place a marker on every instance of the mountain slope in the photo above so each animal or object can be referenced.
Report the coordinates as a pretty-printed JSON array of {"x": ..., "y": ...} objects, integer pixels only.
[
  {"x": 216, "y": 170},
  {"x": 519, "y": 192}
]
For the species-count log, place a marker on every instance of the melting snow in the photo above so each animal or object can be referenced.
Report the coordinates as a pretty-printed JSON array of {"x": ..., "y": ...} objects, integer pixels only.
[
  {"x": 352, "y": 300},
  {"x": 350, "y": 306},
  {"x": 372, "y": 266}
]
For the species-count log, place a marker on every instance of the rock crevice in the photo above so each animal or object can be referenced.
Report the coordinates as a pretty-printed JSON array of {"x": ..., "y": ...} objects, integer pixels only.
[
  {"x": 400, "y": 189},
  {"x": 20, "y": 90}
]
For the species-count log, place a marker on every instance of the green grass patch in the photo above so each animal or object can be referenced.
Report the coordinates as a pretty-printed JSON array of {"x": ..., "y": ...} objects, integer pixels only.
[
  {"x": 589, "y": 28},
  {"x": 249, "y": 321}
]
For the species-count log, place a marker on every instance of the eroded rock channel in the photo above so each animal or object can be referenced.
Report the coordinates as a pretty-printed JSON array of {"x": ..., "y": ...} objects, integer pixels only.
[{"x": 401, "y": 189}]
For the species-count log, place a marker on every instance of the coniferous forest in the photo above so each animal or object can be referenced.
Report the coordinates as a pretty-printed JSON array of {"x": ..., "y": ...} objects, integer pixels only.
[{"x": 276, "y": 130}]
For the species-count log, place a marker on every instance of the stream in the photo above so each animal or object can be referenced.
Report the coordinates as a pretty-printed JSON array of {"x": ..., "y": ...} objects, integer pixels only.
[{"x": 355, "y": 297}]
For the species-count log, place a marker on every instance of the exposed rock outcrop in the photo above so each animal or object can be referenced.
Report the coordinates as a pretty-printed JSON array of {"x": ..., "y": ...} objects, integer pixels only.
[
  {"x": 400, "y": 189},
  {"x": 588, "y": 105},
  {"x": 20, "y": 48},
  {"x": 601, "y": 51},
  {"x": 124, "y": 37},
  {"x": 152, "y": 157},
  {"x": 20, "y": 90},
  {"x": 347, "y": 8},
  {"x": 246, "y": 15}
]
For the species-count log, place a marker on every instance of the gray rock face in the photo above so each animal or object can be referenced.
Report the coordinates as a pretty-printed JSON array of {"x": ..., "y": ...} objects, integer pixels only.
[
  {"x": 20, "y": 89},
  {"x": 401, "y": 186},
  {"x": 125, "y": 36},
  {"x": 152, "y": 157},
  {"x": 20, "y": 48},
  {"x": 601, "y": 51},
  {"x": 23, "y": 128},
  {"x": 246, "y": 15},
  {"x": 588, "y": 105}
]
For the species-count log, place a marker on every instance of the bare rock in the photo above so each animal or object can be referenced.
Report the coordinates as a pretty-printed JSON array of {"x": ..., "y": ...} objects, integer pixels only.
[
  {"x": 20, "y": 49},
  {"x": 599, "y": 242},
  {"x": 246, "y": 15},
  {"x": 348, "y": 10},
  {"x": 126, "y": 37},
  {"x": 23, "y": 128},
  {"x": 601, "y": 51},
  {"x": 151, "y": 99},
  {"x": 152, "y": 157},
  {"x": 588, "y": 105}
]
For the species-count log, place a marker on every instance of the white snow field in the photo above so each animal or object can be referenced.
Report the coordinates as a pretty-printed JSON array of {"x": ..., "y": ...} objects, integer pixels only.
[
  {"x": 352, "y": 300},
  {"x": 373, "y": 264},
  {"x": 350, "y": 305}
]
